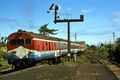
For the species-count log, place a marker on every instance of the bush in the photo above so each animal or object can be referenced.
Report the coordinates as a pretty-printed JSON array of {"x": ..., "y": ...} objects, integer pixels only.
[
  {"x": 2, "y": 55},
  {"x": 117, "y": 54}
]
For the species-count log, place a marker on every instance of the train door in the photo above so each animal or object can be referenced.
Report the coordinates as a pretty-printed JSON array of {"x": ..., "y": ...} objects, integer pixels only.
[
  {"x": 38, "y": 45},
  {"x": 41, "y": 46}
]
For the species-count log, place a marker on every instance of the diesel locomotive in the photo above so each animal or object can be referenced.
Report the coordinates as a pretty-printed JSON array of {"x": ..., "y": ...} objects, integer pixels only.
[{"x": 25, "y": 48}]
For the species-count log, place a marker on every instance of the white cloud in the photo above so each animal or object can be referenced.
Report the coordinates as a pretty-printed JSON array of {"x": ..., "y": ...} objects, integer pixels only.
[
  {"x": 116, "y": 18},
  {"x": 12, "y": 23},
  {"x": 85, "y": 11}
]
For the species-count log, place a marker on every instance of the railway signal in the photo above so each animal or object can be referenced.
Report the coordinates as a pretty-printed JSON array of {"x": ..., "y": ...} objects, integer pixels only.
[{"x": 55, "y": 8}]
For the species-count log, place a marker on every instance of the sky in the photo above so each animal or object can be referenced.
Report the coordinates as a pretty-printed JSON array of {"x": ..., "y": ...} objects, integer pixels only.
[{"x": 101, "y": 18}]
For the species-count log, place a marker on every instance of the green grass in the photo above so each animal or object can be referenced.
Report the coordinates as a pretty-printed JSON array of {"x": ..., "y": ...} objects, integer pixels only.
[
  {"x": 84, "y": 58},
  {"x": 5, "y": 64},
  {"x": 3, "y": 51}
]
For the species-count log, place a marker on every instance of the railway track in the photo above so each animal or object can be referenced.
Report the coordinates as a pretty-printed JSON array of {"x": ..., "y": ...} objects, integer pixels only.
[
  {"x": 113, "y": 66},
  {"x": 8, "y": 71}
]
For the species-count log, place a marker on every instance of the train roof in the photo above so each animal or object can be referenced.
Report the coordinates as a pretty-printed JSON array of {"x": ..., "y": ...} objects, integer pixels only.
[{"x": 35, "y": 35}]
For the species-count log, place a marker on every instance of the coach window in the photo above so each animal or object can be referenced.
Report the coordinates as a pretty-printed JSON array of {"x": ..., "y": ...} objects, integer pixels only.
[
  {"x": 57, "y": 45},
  {"x": 28, "y": 41}
]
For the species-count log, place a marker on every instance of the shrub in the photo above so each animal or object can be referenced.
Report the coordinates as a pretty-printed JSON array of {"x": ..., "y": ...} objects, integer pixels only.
[{"x": 2, "y": 55}]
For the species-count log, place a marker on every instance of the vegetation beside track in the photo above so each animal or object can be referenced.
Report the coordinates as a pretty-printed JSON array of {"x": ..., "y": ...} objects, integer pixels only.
[
  {"x": 82, "y": 58},
  {"x": 3, "y": 61}
]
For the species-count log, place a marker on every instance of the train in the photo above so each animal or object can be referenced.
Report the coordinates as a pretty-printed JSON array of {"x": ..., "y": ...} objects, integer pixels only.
[{"x": 26, "y": 48}]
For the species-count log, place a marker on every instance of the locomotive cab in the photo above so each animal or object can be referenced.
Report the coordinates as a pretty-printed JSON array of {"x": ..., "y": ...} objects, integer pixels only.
[{"x": 19, "y": 48}]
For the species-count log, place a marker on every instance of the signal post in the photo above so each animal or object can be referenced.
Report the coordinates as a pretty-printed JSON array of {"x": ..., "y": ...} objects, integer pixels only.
[{"x": 68, "y": 21}]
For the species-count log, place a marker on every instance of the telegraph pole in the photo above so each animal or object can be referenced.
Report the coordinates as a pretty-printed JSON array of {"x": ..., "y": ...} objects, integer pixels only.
[
  {"x": 68, "y": 21},
  {"x": 110, "y": 41},
  {"x": 68, "y": 38},
  {"x": 114, "y": 37},
  {"x": 75, "y": 37}
]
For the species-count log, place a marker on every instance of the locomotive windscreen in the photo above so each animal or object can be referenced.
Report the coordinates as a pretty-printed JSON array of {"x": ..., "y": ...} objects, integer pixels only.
[{"x": 20, "y": 42}]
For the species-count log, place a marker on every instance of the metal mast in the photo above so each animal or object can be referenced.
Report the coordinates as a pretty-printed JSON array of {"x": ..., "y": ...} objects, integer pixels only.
[{"x": 55, "y": 8}]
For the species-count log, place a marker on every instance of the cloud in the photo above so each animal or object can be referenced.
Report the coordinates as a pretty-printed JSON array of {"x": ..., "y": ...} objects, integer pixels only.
[
  {"x": 10, "y": 22},
  {"x": 100, "y": 33},
  {"x": 15, "y": 24},
  {"x": 85, "y": 11},
  {"x": 116, "y": 18},
  {"x": 28, "y": 9}
]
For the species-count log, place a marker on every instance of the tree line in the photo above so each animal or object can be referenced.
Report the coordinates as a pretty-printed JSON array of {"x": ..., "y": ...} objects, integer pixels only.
[
  {"x": 109, "y": 51},
  {"x": 3, "y": 41},
  {"x": 114, "y": 51}
]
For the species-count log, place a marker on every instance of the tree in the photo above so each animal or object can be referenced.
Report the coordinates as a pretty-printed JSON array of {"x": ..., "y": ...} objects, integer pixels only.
[
  {"x": 93, "y": 47},
  {"x": 118, "y": 41},
  {"x": 81, "y": 42},
  {"x": 44, "y": 30},
  {"x": 117, "y": 54},
  {"x": 103, "y": 50},
  {"x": 3, "y": 41}
]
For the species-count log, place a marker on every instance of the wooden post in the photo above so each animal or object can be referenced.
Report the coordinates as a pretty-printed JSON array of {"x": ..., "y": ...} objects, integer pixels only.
[{"x": 75, "y": 57}]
